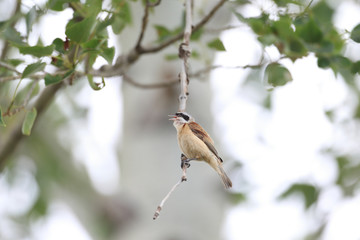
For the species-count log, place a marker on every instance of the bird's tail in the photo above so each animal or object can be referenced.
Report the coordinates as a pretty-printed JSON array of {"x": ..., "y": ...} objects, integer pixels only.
[{"x": 225, "y": 179}]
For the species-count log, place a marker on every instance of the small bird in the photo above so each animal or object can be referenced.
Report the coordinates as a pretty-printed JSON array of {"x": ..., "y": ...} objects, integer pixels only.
[{"x": 196, "y": 144}]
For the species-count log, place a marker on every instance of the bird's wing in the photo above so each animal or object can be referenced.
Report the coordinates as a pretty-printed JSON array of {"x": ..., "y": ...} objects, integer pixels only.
[{"x": 202, "y": 135}]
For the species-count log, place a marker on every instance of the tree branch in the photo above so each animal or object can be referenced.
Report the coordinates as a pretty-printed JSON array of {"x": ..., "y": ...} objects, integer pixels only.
[
  {"x": 145, "y": 19},
  {"x": 9, "y": 67},
  {"x": 16, "y": 135},
  {"x": 124, "y": 61},
  {"x": 132, "y": 82},
  {"x": 6, "y": 46},
  {"x": 180, "y": 35},
  {"x": 184, "y": 54}
]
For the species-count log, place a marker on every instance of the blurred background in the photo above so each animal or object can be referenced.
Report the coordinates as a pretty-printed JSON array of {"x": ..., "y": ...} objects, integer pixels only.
[{"x": 98, "y": 163}]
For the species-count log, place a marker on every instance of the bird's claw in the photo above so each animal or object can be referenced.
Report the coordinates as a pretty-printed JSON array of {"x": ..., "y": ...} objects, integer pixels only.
[{"x": 185, "y": 163}]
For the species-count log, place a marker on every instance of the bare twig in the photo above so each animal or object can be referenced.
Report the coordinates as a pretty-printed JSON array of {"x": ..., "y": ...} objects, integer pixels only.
[
  {"x": 157, "y": 212},
  {"x": 184, "y": 54},
  {"x": 132, "y": 82},
  {"x": 145, "y": 19},
  {"x": 195, "y": 28},
  {"x": 24, "y": 104},
  {"x": 9, "y": 67},
  {"x": 183, "y": 179},
  {"x": 124, "y": 61}
]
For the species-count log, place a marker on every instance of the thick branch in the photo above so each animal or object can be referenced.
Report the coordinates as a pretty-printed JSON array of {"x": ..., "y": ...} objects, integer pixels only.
[{"x": 16, "y": 136}]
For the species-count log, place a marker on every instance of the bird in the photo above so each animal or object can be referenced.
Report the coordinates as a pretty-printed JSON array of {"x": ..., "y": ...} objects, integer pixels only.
[{"x": 196, "y": 144}]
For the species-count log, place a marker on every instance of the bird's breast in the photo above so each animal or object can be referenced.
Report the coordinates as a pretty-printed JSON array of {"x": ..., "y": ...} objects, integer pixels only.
[{"x": 192, "y": 146}]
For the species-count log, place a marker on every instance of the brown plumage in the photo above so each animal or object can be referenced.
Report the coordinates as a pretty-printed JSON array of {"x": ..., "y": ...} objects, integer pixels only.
[{"x": 196, "y": 143}]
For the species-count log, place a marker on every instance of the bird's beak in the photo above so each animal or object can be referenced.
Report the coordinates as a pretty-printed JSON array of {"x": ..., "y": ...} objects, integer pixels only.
[{"x": 172, "y": 117}]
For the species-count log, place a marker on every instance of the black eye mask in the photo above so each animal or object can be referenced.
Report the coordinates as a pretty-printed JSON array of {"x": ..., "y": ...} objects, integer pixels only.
[{"x": 184, "y": 116}]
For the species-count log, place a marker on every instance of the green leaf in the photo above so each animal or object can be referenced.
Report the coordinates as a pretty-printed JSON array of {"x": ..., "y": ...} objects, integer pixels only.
[
  {"x": 296, "y": 47},
  {"x": 171, "y": 57},
  {"x": 108, "y": 54},
  {"x": 323, "y": 62},
  {"x": 94, "y": 85},
  {"x": 309, "y": 32},
  {"x": 59, "y": 45},
  {"x": 59, "y": 5},
  {"x": 29, "y": 122},
  {"x": 267, "y": 39},
  {"x": 80, "y": 31},
  {"x": 122, "y": 16},
  {"x": 237, "y": 197},
  {"x": 101, "y": 26},
  {"x": 13, "y": 36},
  {"x": 52, "y": 79},
  {"x": 30, "y": 19},
  {"x": 195, "y": 36},
  {"x": 37, "y": 51},
  {"x": 337, "y": 42},
  {"x": 33, "y": 68},
  {"x": 259, "y": 25},
  {"x": 355, "y": 68},
  {"x": 23, "y": 93},
  {"x": 216, "y": 44},
  {"x": 15, "y": 62},
  {"x": 309, "y": 192},
  {"x": 277, "y": 75},
  {"x": 93, "y": 7},
  {"x": 2, "y": 123},
  {"x": 284, "y": 3},
  {"x": 323, "y": 14},
  {"x": 93, "y": 44},
  {"x": 162, "y": 32},
  {"x": 355, "y": 34},
  {"x": 282, "y": 27},
  {"x": 40, "y": 207},
  {"x": 242, "y": 2}
]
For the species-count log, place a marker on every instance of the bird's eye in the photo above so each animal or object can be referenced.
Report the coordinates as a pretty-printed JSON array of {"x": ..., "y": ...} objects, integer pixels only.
[{"x": 186, "y": 117}]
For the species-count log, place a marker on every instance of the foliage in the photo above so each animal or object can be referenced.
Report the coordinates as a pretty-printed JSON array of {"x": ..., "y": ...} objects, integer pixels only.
[{"x": 307, "y": 31}]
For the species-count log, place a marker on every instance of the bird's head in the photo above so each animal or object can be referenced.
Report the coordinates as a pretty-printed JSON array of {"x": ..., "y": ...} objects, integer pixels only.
[{"x": 181, "y": 118}]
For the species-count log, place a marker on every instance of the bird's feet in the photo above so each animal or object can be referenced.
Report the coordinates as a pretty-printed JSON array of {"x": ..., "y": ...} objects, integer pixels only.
[{"x": 185, "y": 161}]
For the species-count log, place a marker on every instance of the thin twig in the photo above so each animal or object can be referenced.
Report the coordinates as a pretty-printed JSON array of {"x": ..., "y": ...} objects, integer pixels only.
[
  {"x": 124, "y": 61},
  {"x": 175, "y": 81},
  {"x": 183, "y": 179},
  {"x": 9, "y": 67},
  {"x": 195, "y": 28},
  {"x": 184, "y": 54},
  {"x": 24, "y": 104},
  {"x": 144, "y": 23},
  {"x": 157, "y": 212},
  {"x": 132, "y": 82}
]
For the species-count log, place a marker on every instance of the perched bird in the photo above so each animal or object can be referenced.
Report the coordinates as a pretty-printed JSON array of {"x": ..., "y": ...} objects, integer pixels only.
[{"x": 196, "y": 144}]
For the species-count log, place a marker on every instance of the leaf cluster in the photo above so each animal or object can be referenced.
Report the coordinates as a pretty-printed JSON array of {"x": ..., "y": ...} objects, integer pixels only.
[{"x": 310, "y": 31}]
